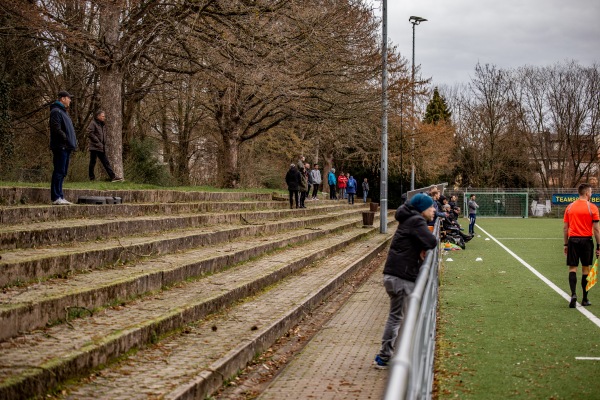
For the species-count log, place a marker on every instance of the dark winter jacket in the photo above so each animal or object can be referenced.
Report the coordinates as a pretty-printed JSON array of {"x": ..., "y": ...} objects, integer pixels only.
[
  {"x": 292, "y": 178},
  {"x": 411, "y": 237},
  {"x": 351, "y": 185},
  {"x": 97, "y": 136},
  {"x": 62, "y": 133},
  {"x": 303, "y": 181}
]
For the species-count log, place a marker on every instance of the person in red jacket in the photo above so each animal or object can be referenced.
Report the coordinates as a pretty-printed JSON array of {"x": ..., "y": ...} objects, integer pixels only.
[{"x": 342, "y": 182}]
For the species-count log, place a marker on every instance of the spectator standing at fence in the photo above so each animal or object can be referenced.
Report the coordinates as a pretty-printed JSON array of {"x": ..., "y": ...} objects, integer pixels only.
[
  {"x": 62, "y": 143},
  {"x": 405, "y": 257},
  {"x": 365, "y": 188},
  {"x": 473, "y": 206},
  {"x": 351, "y": 189},
  {"x": 292, "y": 178},
  {"x": 97, "y": 137},
  {"x": 315, "y": 174},
  {"x": 331, "y": 181},
  {"x": 580, "y": 224}
]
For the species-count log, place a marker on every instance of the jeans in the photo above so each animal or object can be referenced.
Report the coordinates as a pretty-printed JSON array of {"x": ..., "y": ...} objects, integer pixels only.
[
  {"x": 472, "y": 218},
  {"x": 102, "y": 157},
  {"x": 365, "y": 193},
  {"x": 398, "y": 290},
  {"x": 60, "y": 161}
]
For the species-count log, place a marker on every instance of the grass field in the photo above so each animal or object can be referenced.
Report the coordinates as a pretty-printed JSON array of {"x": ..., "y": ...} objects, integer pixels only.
[{"x": 505, "y": 333}]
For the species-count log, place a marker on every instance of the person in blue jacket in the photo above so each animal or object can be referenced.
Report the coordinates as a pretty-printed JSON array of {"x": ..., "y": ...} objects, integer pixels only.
[
  {"x": 351, "y": 189},
  {"x": 62, "y": 143},
  {"x": 331, "y": 180}
]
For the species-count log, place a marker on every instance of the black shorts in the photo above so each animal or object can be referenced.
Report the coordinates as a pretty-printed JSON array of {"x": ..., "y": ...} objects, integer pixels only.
[{"x": 580, "y": 248}]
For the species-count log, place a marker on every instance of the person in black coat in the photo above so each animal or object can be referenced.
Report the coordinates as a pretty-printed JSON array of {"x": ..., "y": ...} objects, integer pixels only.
[
  {"x": 97, "y": 136},
  {"x": 407, "y": 252},
  {"x": 62, "y": 143},
  {"x": 292, "y": 178}
]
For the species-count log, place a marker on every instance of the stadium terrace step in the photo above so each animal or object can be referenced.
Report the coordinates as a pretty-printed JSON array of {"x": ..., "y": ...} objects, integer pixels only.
[
  {"x": 23, "y": 266},
  {"x": 43, "y": 213},
  {"x": 33, "y": 307},
  {"x": 69, "y": 230},
  {"x": 26, "y": 195},
  {"x": 35, "y": 362}
]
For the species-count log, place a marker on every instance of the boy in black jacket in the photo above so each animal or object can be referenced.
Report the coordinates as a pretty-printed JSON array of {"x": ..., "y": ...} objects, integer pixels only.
[{"x": 407, "y": 252}]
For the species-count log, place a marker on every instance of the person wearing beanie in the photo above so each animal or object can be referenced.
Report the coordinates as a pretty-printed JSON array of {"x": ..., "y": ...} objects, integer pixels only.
[{"x": 407, "y": 252}]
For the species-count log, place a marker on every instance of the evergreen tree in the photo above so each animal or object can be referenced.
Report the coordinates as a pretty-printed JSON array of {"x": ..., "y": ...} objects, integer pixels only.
[{"x": 437, "y": 109}]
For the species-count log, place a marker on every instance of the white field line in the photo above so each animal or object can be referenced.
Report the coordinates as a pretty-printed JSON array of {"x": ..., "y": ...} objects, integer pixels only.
[
  {"x": 518, "y": 238},
  {"x": 588, "y": 358},
  {"x": 558, "y": 290}
]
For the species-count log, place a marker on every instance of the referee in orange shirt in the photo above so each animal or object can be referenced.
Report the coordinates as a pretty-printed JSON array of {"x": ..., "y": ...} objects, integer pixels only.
[{"x": 580, "y": 224}]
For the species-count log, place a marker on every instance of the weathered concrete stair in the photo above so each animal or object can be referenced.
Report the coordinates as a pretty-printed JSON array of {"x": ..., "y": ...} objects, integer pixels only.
[
  {"x": 35, "y": 362},
  {"x": 26, "y": 308},
  {"x": 23, "y": 266},
  {"x": 38, "y": 234}
]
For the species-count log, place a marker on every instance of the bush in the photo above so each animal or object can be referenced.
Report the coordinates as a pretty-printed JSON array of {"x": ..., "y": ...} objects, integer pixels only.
[{"x": 142, "y": 166}]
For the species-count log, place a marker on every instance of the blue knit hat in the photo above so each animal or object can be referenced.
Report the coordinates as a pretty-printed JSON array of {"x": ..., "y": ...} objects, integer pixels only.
[{"x": 421, "y": 202}]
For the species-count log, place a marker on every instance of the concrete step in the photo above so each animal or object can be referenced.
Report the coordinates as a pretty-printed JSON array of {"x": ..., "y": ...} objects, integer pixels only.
[
  {"x": 200, "y": 359},
  {"x": 35, "y": 362},
  {"x": 51, "y": 302},
  {"x": 15, "y": 215},
  {"x": 28, "y": 195},
  {"x": 69, "y": 230},
  {"x": 20, "y": 267}
]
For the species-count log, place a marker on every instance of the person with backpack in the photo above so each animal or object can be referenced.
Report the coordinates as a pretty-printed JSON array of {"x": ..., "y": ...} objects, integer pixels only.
[{"x": 351, "y": 189}]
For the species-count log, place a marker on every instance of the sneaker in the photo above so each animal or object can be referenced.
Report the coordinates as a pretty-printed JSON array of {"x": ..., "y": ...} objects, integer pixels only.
[
  {"x": 586, "y": 303},
  {"x": 117, "y": 179},
  {"x": 380, "y": 363},
  {"x": 61, "y": 202},
  {"x": 573, "y": 302}
]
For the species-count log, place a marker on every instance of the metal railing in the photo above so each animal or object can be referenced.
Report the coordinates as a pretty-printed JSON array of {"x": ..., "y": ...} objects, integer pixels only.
[{"x": 411, "y": 368}]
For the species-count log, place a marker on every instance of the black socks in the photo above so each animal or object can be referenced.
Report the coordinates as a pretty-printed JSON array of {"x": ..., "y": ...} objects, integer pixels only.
[
  {"x": 583, "y": 285},
  {"x": 573, "y": 282}
]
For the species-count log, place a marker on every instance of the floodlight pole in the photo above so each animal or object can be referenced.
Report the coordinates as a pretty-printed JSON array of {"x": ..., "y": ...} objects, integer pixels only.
[
  {"x": 384, "y": 120},
  {"x": 414, "y": 21}
]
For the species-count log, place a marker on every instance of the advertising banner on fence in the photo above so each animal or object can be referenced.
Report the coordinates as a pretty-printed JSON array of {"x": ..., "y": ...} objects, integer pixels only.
[{"x": 564, "y": 199}]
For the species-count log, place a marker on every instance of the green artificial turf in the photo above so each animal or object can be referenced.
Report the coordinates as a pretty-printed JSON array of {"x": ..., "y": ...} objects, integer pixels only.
[{"x": 503, "y": 332}]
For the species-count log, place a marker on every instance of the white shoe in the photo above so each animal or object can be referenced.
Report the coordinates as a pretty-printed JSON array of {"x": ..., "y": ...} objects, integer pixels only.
[{"x": 61, "y": 202}]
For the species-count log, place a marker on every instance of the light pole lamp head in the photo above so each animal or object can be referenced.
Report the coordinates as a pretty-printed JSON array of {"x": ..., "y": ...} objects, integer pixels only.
[{"x": 416, "y": 20}]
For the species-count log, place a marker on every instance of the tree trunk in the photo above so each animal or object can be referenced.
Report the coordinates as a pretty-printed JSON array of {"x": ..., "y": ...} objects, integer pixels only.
[
  {"x": 231, "y": 173},
  {"x": 111, "y": 84}
]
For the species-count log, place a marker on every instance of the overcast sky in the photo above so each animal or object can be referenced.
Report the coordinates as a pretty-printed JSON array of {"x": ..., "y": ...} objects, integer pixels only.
[{"x": 506, "y": 33}]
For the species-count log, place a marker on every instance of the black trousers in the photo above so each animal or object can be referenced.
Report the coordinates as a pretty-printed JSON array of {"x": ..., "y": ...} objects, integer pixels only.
[
  {"x": 100, "y": 155},
  {"x": 315, "y": 190}
]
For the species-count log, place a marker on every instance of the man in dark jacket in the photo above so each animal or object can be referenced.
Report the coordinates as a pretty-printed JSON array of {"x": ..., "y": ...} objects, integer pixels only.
[
  {"x": 62, "y": 143},
  {"x": 97, "y": 136},
  {"x": 292, "y": 178},
  {"x": 407, "y": 252}
]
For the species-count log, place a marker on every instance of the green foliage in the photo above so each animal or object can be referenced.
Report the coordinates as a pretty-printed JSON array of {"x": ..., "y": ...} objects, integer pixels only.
[
  {"x": 142, "y": 166},
  {"x": 437, "y": 109}
]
